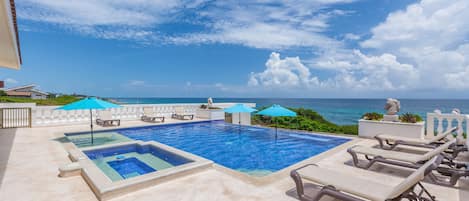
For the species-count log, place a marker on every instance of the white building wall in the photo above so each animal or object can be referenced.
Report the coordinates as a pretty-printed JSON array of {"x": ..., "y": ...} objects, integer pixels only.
[{"x": 245, "y": 118}]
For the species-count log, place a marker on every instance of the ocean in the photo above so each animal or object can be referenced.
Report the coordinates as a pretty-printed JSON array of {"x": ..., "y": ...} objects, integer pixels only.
[{"x": 339, "y": 111}]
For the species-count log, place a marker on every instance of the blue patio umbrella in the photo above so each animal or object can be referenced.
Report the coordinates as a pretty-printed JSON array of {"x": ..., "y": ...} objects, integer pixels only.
[
  {"x": 239, "y": 108},
  {"x": 277, "y": 111},
  {"x": 90, "y": 103}
]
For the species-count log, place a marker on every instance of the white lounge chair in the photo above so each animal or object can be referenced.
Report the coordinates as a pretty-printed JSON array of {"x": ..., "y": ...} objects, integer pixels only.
[
  {"x": 149, "y": 116},
  {"x": 374, "y": 155},
  {"x": 180, "y": 114},
  {"x": 351, "y": 188},
  {"x": 393, "y": 141},
  {"x": 105, "y": 119}
]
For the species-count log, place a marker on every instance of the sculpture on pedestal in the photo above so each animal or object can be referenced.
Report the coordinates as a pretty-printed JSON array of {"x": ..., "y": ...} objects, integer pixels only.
[{"x": 392, "y": 107}]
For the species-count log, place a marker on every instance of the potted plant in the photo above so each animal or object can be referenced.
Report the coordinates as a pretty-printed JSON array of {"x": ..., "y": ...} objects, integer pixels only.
[{"x": 409, "y": 125}]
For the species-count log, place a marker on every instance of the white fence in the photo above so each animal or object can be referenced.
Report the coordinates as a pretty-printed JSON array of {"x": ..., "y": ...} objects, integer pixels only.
[
  {"x": 48, "y": 116},
  {"x": 439, "y": 123}
]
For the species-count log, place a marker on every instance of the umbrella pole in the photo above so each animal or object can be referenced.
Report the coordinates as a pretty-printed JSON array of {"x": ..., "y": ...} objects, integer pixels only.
[
  {"x": 275, "y": 129},
  {"x": 239, "y": 120},
  {"x": 91, "y": 125}
]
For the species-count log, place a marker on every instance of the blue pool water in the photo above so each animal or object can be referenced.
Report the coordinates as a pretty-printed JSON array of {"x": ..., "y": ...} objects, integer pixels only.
[
  {"x": 248, "y": 149},
  {"x": 130, "y": 167},
  {"x": 126, "y": 161}
]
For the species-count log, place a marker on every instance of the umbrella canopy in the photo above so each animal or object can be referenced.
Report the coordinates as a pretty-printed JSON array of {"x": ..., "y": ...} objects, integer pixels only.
[
  {"x": 239, "y": 108},
  {"x": 277, "y": 111},
  {"x": 89, "y": 104}
]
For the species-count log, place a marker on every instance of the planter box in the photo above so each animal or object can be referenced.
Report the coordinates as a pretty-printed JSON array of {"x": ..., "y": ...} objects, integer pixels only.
[
  {"x": 369, "y": 129},
  {"x": 212, "y": 114}
]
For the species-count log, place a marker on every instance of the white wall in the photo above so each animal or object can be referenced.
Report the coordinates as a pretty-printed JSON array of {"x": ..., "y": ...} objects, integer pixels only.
[
  {"x": 48, "y": 116},
  {"x": 245, "y": 118}
]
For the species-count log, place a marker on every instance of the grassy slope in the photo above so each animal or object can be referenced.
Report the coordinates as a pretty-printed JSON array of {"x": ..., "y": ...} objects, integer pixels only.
[
  {"x": 62, "y": 100},
  {"x": 307, "y": 119}
]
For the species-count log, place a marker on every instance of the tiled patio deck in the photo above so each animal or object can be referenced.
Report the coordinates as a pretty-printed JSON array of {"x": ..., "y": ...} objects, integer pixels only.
[{"x": 29, "y": 158}]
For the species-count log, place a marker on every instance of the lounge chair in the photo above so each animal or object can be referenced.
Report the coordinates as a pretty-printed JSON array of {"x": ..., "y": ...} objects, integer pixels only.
[
  {"x": 374, "y": 155},
  {"x": 392, "y": 141},
  {"x": 351, "y": 188},
  {"x": 105, "y": 119},
  {"x": 148, "y": 116},
  {"x": 180, "y": 114}
]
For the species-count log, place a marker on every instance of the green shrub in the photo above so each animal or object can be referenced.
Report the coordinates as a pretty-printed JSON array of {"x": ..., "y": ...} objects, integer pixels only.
[
  {"x": 2, "y": 93},
  {"x": 410, "y": 118},
  {"x": 372, "y": 116},
  {"x": 61, "y": 100},
  {"x": 306, "y": 119}
]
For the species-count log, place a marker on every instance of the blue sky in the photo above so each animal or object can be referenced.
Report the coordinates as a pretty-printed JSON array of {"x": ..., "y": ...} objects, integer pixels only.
[{"x": 264, "y": 48}]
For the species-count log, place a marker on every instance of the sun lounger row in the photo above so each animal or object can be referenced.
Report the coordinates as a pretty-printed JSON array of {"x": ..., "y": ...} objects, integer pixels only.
[
  {"x": 105, "y": 116},
  {"x": 438, "y": 157}
]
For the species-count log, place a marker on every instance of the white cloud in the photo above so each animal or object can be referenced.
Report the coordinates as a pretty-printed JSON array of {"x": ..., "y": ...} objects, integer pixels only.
[
  {"x": 351, "y": 36},
  {"x": 109, "y": 19},
  {"x": 425, "y": 46},
  {"x": 98, "y": 12},
  {"x": 432, "y": 35},
  {"x": 288, "y": 72},
  {"x": 259, "y": 24},
  {"x": 266, "y": 24},
  {"x": 11, "y": 81},
  {"x": 357, "y": 72}
]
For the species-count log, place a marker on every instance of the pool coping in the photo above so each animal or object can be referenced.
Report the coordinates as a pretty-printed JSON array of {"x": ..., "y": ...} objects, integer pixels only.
[{"x": 105, "y": 189}]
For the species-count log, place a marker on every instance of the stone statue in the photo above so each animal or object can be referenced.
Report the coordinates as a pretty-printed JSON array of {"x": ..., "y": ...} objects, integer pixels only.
[
  {"x": 456, "y": 111},
  {"x": 209, "y": 102},
  {"x": 392, "y": 107}
]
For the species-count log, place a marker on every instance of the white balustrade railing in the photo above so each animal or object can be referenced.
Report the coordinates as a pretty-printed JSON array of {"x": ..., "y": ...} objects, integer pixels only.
[
  {"x": 445, "y": 122},
  {"x": 49, "y": 116}
]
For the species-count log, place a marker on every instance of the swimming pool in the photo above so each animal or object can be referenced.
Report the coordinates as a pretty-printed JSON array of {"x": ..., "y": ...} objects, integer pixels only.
[{"x": 253, "y": 150}]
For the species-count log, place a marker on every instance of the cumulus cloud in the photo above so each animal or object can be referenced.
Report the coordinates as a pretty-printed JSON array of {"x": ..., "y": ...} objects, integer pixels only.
[
  {"x": 357, "y": 71},
  {"x": 432, "y": 35},
  {"x": 424, "y": 46},
  {"x": 287, "y": 72}
]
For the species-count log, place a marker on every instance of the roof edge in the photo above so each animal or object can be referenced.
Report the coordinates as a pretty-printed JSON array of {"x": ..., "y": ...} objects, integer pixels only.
[{"x": 15, "y": 25}]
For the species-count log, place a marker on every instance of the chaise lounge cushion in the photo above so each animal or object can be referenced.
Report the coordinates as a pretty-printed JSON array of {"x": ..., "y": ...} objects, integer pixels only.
[
  {"x": 364, "y": 188},
  {"x": 402, "y": 156},
  {"x": 387, "y": 154},
  {"x": 347, "y": 183},
  {"x": 417, "y": 140}
]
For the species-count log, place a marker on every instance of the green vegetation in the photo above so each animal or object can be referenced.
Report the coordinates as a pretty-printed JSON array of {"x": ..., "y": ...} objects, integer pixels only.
[
  {"x": 61, "y": 100},
  {"x": 2, "y": 93},
  {"x": 410, "y": 118},
  {"x": 372, "y": 116},
  {"x": 306, "y": 119}
]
